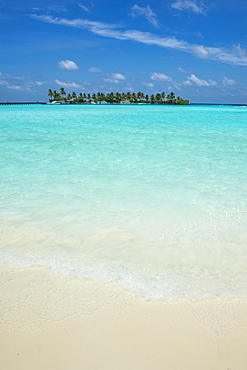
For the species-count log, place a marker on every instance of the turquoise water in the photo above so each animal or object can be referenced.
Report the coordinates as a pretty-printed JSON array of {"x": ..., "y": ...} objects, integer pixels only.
[{"x": 150, "y": 197}]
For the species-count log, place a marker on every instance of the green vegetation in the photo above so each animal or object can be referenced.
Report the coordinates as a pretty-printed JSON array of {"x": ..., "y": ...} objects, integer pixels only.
[{"x": 115, "y": 98}]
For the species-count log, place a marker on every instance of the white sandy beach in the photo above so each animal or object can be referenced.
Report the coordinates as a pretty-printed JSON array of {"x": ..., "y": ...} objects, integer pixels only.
[{"x": 50, "y": 322}]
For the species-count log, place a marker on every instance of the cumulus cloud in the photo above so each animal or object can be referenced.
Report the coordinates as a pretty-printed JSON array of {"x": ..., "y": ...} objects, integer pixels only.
[
  {"x": 227, "y": 81},
  {"x": 148, "y": 84},
  {"x": 68, "y": 84},
  {"x": 94, "y": 69},
  {"x": 114, "y": 78},
  {"x": 146, "y": 12},
  {"x": 67, "y": 64},
  {"x": 199, "y": 82},
  {"x": 118, "y": 76},
  {"x": 190, "y": 5},
  {"x": 160, "y": 77},
  {"x": 235, "y": 56}
]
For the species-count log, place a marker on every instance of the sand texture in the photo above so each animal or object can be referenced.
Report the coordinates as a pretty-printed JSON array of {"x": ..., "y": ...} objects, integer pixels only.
[{"x": 56, "y": 323}]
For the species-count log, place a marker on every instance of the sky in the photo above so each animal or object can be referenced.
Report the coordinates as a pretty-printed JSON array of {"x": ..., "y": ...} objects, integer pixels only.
[{"x": 196, "y": 49}]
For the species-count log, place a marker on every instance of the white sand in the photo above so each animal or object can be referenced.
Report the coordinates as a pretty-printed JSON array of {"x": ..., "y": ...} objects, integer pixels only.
[{"x": 52, "y": 323}]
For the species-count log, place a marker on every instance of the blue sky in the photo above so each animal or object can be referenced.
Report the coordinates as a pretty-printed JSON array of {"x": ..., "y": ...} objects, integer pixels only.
[{"x": 195, "y": 48}]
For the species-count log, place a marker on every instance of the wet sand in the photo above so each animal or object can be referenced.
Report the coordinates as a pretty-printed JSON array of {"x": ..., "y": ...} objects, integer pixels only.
[{"x": 51, "y": 322}]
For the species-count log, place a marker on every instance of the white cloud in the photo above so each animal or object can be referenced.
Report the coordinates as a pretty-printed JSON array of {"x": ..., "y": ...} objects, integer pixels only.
[
  {"x": 235, "y": 56},
  {"x": 118, "y": 76},
  {"x": 110, "y": 79},
  {"x": 67, "y": 64},
  {"x": 199, "y": 82},
  {"x": 146, "y": 12},
  {"x": 114, "y": 78},
  {"x": 68, "y": 84},
  {"x": 85, "y": 8},
  {"x": 95, "y": 27},
  {"x": 35, "y": 83},
  {"x": 148, "y": 84},
  {"x": 15, "y": 87},
  {"x": 183, "y": 70},
  {"x": 227, "y": 81},
  {"x": 199, "y": 34},
  {"x": 51, "y": 8},
  {"x": 190, "y": 5},
  {"x": 10, "y": 86},
  {"x": 23, "y": 82},
  {"x": 160, "y": 77},
  {"x": 94, "y": 69},
  {"x": 201, "y": 51},
  {"x": 176, "y": 85}
]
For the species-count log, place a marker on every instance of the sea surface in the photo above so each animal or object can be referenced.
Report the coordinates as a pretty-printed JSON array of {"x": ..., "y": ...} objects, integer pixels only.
[{"x": 152, "y": 198}]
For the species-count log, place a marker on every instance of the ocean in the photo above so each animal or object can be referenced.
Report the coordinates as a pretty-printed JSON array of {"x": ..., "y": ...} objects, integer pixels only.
[{"x": 152, "y": 198}]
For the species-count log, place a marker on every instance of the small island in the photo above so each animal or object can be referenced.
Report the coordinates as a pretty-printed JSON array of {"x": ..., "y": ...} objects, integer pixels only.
[{"x": 62, "y": 97}]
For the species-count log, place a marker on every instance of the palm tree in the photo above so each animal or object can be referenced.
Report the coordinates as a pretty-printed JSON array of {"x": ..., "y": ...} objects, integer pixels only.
[
  {"x": 140, "y": 95},
  {"x": 133, "y": 97},
  {"x": 80, "y": 98},
  {"x": 118, "y": 97},
  {"x": 50, "y": 93},
  {"x": 170, "y": 96},
  {"x": 62, "y": 92},
  {"x": 110, "y": 97},
  {"x": 100, "y": 97},
  {"x": 158, "y": 98},
  {"x": 56, "y": 95},
  {"x": 128, "y": 95},
  {"x": 74, "y": 96}
]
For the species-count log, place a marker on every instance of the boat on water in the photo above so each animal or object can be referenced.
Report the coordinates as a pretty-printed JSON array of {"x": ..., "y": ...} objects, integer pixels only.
[{"x": 55, "y": 102}]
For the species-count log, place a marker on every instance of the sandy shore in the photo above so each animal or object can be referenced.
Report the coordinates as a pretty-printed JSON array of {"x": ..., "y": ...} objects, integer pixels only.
[{"x": 49, "y": 322}]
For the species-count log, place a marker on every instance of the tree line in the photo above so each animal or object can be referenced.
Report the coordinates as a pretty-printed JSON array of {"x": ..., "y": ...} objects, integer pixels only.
[{"x": 115, "y": 98}]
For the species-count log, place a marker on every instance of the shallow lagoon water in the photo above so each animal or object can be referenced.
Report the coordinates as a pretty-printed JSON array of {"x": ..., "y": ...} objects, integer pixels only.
[{"x": 150, "y": 197}]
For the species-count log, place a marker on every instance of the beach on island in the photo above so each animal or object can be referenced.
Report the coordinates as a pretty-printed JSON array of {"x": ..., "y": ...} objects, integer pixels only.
[{"x": 49, "y": 322}]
